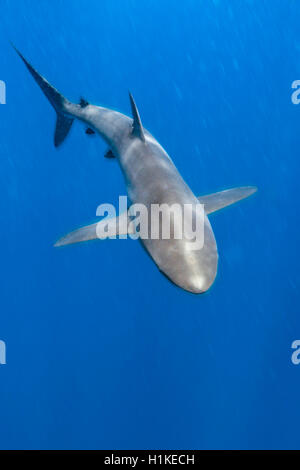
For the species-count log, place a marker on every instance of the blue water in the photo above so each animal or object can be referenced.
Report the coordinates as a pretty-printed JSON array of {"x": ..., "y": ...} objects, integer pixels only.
[{"x": 102, "y": 351}]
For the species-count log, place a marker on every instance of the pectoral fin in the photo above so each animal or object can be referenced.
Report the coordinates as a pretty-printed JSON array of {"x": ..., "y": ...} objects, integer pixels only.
[
  {"x": 217, "y": 201},
  {"x": 106, "y": 228}
]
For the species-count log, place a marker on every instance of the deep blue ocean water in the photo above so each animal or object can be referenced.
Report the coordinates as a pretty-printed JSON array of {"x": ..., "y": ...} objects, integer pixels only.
[{"x": 102, "y": 351}]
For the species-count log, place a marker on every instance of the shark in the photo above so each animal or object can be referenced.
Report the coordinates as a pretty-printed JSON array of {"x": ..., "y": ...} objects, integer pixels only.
[{"x": 151, "y": 177}]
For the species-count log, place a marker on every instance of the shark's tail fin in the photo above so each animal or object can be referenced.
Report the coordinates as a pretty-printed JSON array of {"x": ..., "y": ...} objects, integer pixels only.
[{"x": 58, "y": 101}]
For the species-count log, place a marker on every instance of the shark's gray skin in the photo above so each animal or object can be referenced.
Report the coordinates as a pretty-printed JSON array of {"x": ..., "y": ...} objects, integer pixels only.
[{"x": 151, "y": 178}]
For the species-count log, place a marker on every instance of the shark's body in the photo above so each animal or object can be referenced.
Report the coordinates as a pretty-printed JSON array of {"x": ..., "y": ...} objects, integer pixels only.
[{"x": 151, "y": 178}]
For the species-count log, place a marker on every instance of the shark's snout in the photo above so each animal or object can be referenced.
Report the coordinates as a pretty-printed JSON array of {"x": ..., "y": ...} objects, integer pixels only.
[
  {"x": 195, "y": 272},
  {"x": 200, "y": 283}
]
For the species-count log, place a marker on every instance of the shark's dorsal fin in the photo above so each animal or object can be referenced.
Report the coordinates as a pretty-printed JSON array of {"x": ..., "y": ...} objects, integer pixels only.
[
  {"x": 137, "y": 127},
  {"x": 83, "y": 102}
]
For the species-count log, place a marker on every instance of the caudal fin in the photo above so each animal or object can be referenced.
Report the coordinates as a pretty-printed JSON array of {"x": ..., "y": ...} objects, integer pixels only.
[{"x": 58, "y": 101}]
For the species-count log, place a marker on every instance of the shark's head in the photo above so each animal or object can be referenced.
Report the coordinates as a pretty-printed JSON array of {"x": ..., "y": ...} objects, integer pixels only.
[{"x": 194, "y": 270}]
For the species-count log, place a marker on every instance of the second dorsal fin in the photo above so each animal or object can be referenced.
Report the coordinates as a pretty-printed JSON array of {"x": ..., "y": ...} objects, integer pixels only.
[{"x": 137, "y": 127}]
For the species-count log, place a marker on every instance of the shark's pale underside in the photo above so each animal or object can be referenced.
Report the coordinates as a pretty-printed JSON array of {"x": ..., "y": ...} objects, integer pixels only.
[{"x": 151, "y": 178}]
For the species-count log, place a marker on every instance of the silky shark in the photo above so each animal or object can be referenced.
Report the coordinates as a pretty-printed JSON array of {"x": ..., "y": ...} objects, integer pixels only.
[{"x": 151, "y": 178}]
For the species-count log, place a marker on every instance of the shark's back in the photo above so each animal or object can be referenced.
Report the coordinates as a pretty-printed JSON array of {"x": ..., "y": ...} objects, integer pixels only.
[{"x": 152, "y": 179}]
